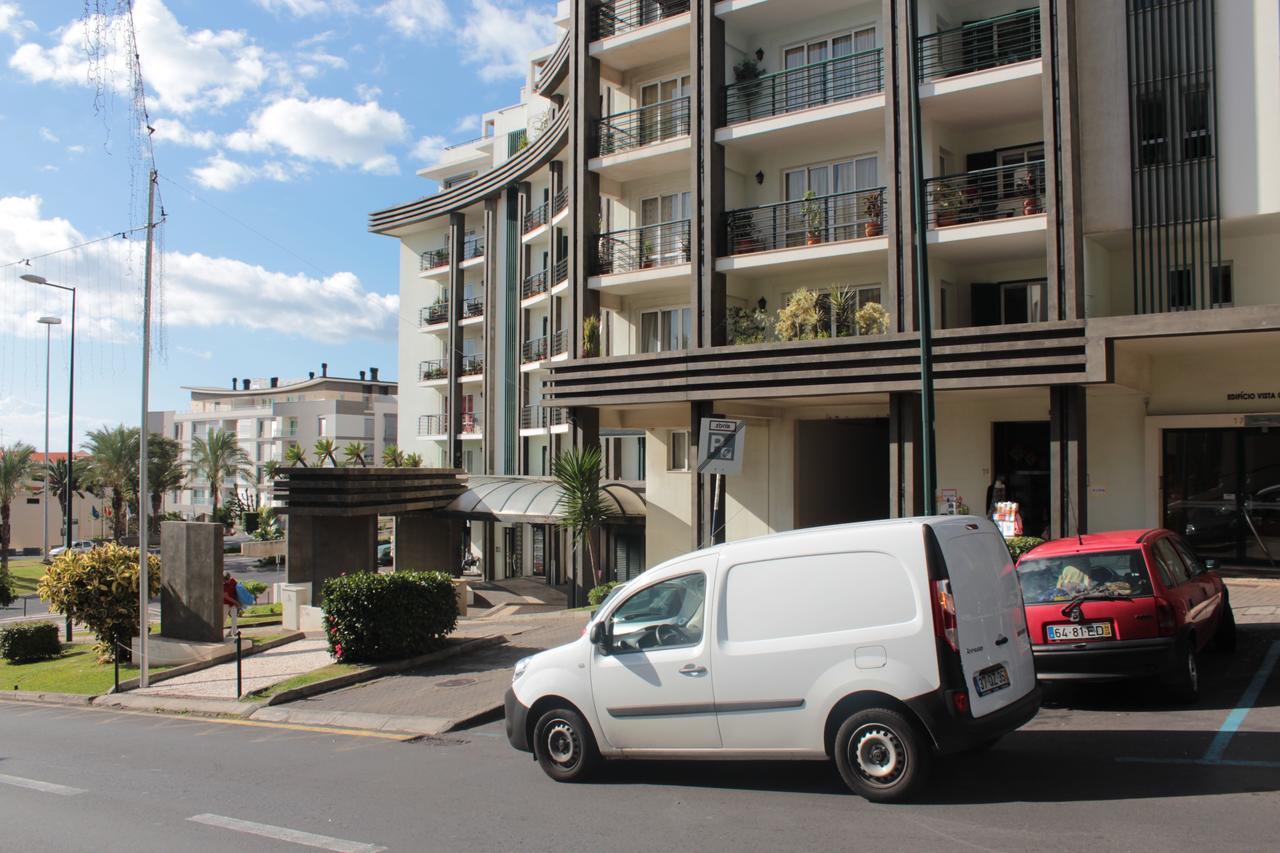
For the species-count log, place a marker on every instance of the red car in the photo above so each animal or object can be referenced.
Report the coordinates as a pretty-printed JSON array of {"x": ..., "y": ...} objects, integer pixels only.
[{"x": 1123, "y": 604}]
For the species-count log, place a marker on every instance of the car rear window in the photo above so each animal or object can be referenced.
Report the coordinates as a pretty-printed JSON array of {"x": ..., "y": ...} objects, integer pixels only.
[{"x": 1062, "y": 578}]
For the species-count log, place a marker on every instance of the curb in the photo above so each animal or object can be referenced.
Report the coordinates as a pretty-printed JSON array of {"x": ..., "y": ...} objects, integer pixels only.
[
  {"x": 379, "y": 670},
  {"x": 196, "y": 666},
  {"x": 178, "y": 705},
  {"x": 46, "y": 698}
]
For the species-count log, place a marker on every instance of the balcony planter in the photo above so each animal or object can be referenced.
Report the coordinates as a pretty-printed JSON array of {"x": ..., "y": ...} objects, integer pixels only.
[
  {"x": 873, "y": 209},
  {"x": 815, "y": 218}
]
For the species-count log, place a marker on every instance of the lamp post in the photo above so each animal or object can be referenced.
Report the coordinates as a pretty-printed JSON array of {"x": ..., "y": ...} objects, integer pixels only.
[
  {"x": 71, "y": 400},
  {"x": 48, "y": 323}
]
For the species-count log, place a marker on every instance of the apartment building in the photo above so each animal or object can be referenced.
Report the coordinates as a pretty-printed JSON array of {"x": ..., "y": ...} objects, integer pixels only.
[
  {"x": 1087, "y": 199},
  {"x": 29, "y": 515},
  {"x": 269, "y": 416}
]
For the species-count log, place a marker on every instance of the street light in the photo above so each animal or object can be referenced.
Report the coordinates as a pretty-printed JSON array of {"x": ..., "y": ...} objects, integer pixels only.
[
  {"x": 71, "y": 400},
  {"x": 48, "y": 323}
]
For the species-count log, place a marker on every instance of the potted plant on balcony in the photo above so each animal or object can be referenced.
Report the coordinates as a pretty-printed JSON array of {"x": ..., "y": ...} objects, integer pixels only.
[
  {"x": 800, "y": 318},
  {"x": 948, "y": 200},
  {"x": 647, "y": 256},
  {"x": 871, "y": 319},
  {"x": 873, "y": 211},
  {"x": 839, "y": 301},
  {"x": 745, "y": 72},
  {"x": 744, "y": 236},
  {"x": 590, "y": 336},
  {"x": 815, "y": 218},
  {"x": 1025, "y": 186},
  {"x": 746, "y": 325}
]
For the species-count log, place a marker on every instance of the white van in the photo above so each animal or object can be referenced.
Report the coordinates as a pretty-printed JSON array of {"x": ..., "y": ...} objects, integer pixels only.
[{"x": 876, "y": 644}]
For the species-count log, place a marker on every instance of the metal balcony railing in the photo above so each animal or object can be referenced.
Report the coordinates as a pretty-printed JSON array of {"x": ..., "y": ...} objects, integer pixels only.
[
  {"x": 620, "y": 16},
  {"x": 985, "y": 194},
  {"x": 1002, "y": 40},
  {"x": 641, "y": 248},
  {"x": 643, "y": 126},
  {"x": 472, "y": 246},
  {"x": 473, "y": 307},
  {"x": 534, "y": 350},
  {"x": 806, "y": 222},
  {"x": 540, "y": 215},
  {"x": 560, "y": 342},
  {"x": 434, "y": 259},
  {"x": 435, "y": 368},
  {"x": 472, "y": 365},
  {"x": 838, "y": 79},
  {"x": 471, "y": 423},
  {"x": 534, "y": 284},
  {"x": 538, "y": 417},
  {"x": 433, "y": 425},
  {"x": 559, "y": 201},
  {"x": 437, "y": 312},
  {"x": 561, "y": 271}
]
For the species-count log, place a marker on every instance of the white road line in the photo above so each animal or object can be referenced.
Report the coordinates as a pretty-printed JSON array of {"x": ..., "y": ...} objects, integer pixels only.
[
  {"x": 281, "y": 833},
  {"x": 37, "y": 785}
]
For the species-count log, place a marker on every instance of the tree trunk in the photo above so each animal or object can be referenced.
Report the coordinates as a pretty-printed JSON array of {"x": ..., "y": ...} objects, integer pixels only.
[
  {"x": 591, "y": 556},
  {"x": 156, "y": 500},
  {"x": 4, "y": 539},
  {"x": 118, "y": 524}
]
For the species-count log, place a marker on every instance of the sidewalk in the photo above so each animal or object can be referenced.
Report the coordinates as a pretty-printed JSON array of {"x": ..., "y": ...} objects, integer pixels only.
[
  {"x": 1254, "y": 600},
  {"x": 258, "y": 671}
]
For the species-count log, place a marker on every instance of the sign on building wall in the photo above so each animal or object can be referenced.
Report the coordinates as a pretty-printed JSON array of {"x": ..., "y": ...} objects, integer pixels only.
[{"x": 720, "y": 446}]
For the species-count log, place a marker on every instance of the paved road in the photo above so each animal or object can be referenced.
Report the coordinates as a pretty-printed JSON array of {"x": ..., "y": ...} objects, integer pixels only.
[{"x": 1067, "y": 782}]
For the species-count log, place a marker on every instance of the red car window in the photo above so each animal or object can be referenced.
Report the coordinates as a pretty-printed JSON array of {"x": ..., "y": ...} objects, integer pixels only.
[
  {"x": 1049, "y": 579},
  {"x": 1189, "y": 557},
  {"x": 1172, "y": 570}
]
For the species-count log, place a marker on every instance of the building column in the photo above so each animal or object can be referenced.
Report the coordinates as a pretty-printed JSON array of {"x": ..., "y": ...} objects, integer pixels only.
[
  {"x": 489, "y": 426},
  {"x": 905, "y": 496},
  {"x": 457, "y": 232},
  {"x": 699, "y": 494},
  {"x": 1068, "y": 462},
  {"x": 900, "y": 181},
  {"x": 706, "y": 228},
  {"x": 1064, "y": 244},
  {"x": 524, "y": 189},
  {"x": 584, "y": 191}
]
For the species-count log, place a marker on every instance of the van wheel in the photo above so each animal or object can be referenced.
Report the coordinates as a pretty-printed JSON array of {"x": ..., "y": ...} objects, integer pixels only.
[
  {"x": 564, "y": 746},
  {"x": 1224, "y": 639},
  {"x": 1184, "y": 681},
  {"x": 881, "y": 755}
]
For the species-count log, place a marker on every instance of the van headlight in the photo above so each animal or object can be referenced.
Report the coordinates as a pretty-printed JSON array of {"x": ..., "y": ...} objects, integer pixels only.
[{"x": 521, "y": 666}]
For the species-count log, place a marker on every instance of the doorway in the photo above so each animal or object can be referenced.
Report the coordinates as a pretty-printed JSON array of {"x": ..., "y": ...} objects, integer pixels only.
[
  {"x": 842, "y": 471},
  {"x": 1020, "y": 458}
]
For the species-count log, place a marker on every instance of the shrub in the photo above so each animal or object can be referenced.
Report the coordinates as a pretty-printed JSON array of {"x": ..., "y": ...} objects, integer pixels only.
[
  {"x": 800, "y": 317},
  {"x": 871, "y": 319},
  {"x": 100, "y": 589},
  {"x": 374, "y": 617},
  {"x": 597, "y": 593},
  {"x": 1019, "y": 545},
  {"x": 256, "y": 588},
  {"x": 33, "y": 641}
]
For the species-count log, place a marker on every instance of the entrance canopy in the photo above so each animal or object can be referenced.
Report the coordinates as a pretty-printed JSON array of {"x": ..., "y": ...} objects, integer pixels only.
[{"x": 535, "y": 500}]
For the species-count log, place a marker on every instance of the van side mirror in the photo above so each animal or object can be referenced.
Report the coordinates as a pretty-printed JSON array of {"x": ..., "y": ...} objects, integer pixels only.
[{"x": 599, "y": 637}]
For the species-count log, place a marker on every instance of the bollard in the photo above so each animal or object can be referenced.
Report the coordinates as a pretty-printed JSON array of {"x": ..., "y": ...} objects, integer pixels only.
[
  {"x": 237, "y": 664},
  {"x": 116, "y": 646}
]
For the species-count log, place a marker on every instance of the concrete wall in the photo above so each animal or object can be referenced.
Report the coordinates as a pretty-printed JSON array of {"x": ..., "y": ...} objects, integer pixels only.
[
  {"x": 1115, "y": 500},
  {"x": 26, "y": 517},
  {"x": 191, "y": 598},
  {"x": 668, "y": 524},
  {"x": 321, "y": 547}
]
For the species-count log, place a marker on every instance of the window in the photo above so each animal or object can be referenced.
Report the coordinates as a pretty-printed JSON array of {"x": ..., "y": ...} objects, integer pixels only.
[
  {"x": 1023, "y": 302},
  {"x": 1181, "y": 291},
  {"x": 663, "y": 236},
  {"x": 1193, "y": 562},
  {"x": 671, "y": 119},
  {"x": 1061, "y": 578},
  {"x": 665, "y": 330},
  {"x": 1013, "y": 181},
  {"x": 322, "y": 424},
  {"x": 1172, "y": 569},
  {"x": 1196, "y": 138},
  {"x": 841, "y": 215},
  {"x": 678, "y": 451},
  {"x": 665, "y": 615},
  {"x": 1152, "y": 135},
  {"x": 833, "y": 79},
  {"x": 1220, "y": 290}
]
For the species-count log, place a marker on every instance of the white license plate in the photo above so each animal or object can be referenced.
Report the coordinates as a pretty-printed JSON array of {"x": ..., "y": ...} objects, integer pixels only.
[
  {"x": 1083, "y": 631},
  {"x": 991, "y": 679}
]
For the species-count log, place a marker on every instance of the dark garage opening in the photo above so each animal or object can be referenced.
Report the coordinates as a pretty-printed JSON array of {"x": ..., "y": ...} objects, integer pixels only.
[{"x": 842, "y": 471}]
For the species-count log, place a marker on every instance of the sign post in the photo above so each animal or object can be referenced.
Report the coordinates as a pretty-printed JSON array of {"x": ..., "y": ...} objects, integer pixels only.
[{"x": 720, "y": 449}]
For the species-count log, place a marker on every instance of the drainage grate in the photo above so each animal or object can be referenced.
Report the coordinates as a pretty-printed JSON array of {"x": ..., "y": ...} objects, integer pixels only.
[{"x": 457, "y": 682}]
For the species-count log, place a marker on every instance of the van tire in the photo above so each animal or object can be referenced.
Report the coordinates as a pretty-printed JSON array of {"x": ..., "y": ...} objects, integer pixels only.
[
  {"x": 1224, "y": 639},
  {"x": 564, "y": 746},
  {"x": 881, "y": 755}
]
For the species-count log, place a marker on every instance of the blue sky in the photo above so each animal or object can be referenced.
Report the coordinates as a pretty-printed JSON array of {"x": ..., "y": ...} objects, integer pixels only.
[{"x": 295, "y": 118}]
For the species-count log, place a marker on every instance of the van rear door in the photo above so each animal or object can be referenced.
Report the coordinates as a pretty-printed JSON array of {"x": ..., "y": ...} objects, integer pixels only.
[{"x": 995, "y": 650}]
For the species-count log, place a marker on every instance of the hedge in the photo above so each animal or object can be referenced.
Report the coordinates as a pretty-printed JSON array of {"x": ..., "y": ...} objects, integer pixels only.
[
  {"x": 29, "y": 642},
  {"x": 1019, "y": 545},
  {"x": 598, "y": 594},
  {"x": 376, "y": 617}
]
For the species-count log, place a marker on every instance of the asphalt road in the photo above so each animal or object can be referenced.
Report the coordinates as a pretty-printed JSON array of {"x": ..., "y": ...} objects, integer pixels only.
[{"x": 1106, "y": 769}]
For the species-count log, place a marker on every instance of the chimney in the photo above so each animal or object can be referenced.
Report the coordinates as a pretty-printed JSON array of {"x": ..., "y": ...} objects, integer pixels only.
[
  {"x": 275, "y": 381},
  {"x": 362, "y": 376},
  {"x": 311, "y": 374},
  {"x": 373, "y": 374},
  {"x": 324, "y": 368},
  {"x": 245, "y": 384},
  {"x": 235, "y": 380}
]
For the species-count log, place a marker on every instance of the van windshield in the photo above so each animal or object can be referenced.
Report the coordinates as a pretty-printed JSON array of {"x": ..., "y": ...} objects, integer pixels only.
[{"x": 1120, "y": 573}]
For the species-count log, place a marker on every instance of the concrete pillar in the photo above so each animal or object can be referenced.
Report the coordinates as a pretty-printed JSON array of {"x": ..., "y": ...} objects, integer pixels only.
[
  {"x": 905, "y": 496},
  {"x": 1068, "y": 455},
  {"x": 322, "y": 547},
  {"x": 191, "y": 597},
  {"x": 457, "y": 233},
  {"x": 422, "y": 542}
]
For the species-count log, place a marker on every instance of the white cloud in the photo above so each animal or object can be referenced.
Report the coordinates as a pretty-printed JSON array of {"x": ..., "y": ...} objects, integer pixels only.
[
  {"x": 24, "y": 421},
  {"x": 415, "y": 18},
  {"x": 328, "y": 130},
  {"x": 203, "y": 354},
  {"x": 367, "y": 93},
  {"x": 12, "y": 22},
  {"x": 185, "y": 70},
  {"x": 48, "y": 167},
  {"x": 500, "y": 37},
  {"x": 76, "y": 149},
  {"x": 220, "y": 173},
  {"x": 307, "y": 8},
  {"x": 466, "y": 123},
  {"x": 48, "y": 135},
  {"x": 428, "y": 148},
  {"x": 173, "y": 130}
]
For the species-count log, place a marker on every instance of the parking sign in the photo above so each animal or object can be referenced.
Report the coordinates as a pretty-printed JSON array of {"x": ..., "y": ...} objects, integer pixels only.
[{"x": 720, "y": 446}]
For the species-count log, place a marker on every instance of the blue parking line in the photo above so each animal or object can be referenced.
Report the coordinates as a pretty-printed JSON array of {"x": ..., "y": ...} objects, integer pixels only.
[{"x": 1236, "y": 718}]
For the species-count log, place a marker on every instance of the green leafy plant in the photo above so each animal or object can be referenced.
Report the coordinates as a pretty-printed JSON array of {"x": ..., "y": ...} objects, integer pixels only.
[
  {"x": 577, "y": 470},
  {"x": 16, "y": 467},
  {"x": 598, "y": 593},
  {"x": 255, "y": 588},
  {"x": 948, "y": 200},
  {"x": 392, "y": 456},
  {"x": 217, "y": 459},
  {"x": 412, "y": 460},
  {"x": 113, "y": 467},
  {"x": 747, "y": 69},
  {"x": 374, "y": 617},
  {"x": 814, "y": 213},
  {"x": 99, "y": 588},
  {"x": 353, "y": 453},
  {"x": 590, "y": 336},
  {"x": 324, "y": 453},
  {"x": 746, "y": 326},
  {"x": 800, "y": 318},
  {"x": 58, "y": 481},
  {"x": 268, "y": 528},
  {"x": 165, "y": 473},
  {"x": 1019, "y": 545},
  {"x": 871, "y": 319},
  {"x": 295, "y": 455},
  {"x": 30, "y": 642},
  {"x": 839, "y": 301}
]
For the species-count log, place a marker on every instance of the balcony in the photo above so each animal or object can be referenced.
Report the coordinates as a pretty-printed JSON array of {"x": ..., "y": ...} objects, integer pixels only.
[
  {"x": 980, "y": 45},
  {"x": 539, "y": 418},
  {"x": 629, "y": 33},
  {"x": 811, "y": 232},
  {"x": 534, "y": 285},
  {"x": 472, "y": 366},
  {"x": 472, "y": 248},
  {"x": 533, "y": 351},
  {"x": 559, "y": 203},
  {"x": 430, "y": 426},
  {"x": 647, "y": 247},
  {"x": 983, "y": 74},
  {"x": 998, "y": 210},
  {"x": 834, "y": 80},
  {"x": 473, "y": 308},
  {"x": 536, "y": 218},
  {"x": 560, "y": 272},
  {"x": 433, "y": 370},
  {"x": 434, "y": 261},
  {"x": 560, "y": 343},
  {"x": 472, "y": 424},
  {"x": 645, "y": 141}
]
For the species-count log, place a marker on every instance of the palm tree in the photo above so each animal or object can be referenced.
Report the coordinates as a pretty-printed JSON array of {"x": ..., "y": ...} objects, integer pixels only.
[
  {"x": 16, "y": 468},
  {"x": 296, "y": 455},
  {"x": 271, "y": 469},
  {"x": 392, "y": 457},
  {"x": 353, "y": 453},
  {"x": 165, "y": 473},
  {"x": 411, "y": 460},
  {"x": 577, "y": 470},
  {"x": 113, "y": 464},
  {"x": 324, "y": 451},
  {"x": 57, "y": 481},
  {"x": 217, "y": 459}
]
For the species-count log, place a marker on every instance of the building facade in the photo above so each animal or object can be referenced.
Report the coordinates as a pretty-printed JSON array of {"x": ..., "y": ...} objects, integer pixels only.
[
  {"x": 269, "y": 416},
  {"x": 27, "y": 514},
  {"x": 734, "y": 207}
]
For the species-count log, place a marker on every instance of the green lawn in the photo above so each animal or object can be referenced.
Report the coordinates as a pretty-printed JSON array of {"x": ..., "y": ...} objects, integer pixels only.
[
  {"x": 257, "y": 614},
  {"x": 26, "y": 573},
  {"x": 333, "y": 670},
  {"x": 77, "y": 671}
]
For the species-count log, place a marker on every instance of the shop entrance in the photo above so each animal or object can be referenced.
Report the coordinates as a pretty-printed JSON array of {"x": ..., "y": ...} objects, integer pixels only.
[
  {"x": 1221, "y": 489},
  {"x": 842, "y": 471},
  {"x": 1020, "y": 459}
]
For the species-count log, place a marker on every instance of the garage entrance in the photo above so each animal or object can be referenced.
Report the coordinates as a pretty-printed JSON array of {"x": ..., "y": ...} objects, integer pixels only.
[{"x": 842, "y": 471}]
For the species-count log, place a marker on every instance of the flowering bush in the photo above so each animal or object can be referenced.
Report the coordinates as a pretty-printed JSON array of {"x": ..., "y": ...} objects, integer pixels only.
[{"x": 375, "y": 617}]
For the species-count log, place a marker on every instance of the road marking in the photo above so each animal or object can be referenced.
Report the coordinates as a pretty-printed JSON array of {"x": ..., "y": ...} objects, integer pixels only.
[
  {"x": 281, "y": 833},
  {"x": 1234, "y": 720},
  {"x": 37, "y": 785}
]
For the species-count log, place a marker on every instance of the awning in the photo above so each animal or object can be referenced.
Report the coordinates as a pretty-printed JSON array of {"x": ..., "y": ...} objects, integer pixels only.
[{"x": 535, "y": 500}]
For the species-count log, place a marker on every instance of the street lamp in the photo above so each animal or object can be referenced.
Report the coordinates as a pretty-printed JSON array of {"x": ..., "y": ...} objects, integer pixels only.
[
  {"x": 71, "y": 400},
  {"x": 48, "y": 323}
]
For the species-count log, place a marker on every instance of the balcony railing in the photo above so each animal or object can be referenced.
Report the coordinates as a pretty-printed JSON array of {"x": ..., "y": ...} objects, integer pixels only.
[
  {"x": 534, "y": 350},
  {"x": 472, "y": 246},
  {"x": 1002, "y": 40},
  {"x": 433, "y": 424},
  {"x": 538, "y": 417},
  {"x": 643, "y": 126},
  {"x": 642, "y": 248},
  {"x": 561, "y": 271},
  {"x": 434, "y": 259},
  {"x": 806, "y": 222},
  {"x": 472, "y": 365},
  {"x": 559, "y": 201},
  {"x": 534, "y": 284},
  {"x": 560, "y": 342},
  {"x": 436, "y": 368},
  {"x": 536, "y": 217},
  {"x": 473, "y": 307},
  {"x": 620, "y": 16},
  {"x": 437, "y": 312},
  {"x": 985, "y": 194},
  {"x": 471, "y": 423},
  {"x": 838, "y": 79}
]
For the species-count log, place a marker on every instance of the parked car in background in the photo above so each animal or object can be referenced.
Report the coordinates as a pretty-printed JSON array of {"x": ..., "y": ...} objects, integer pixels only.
[
  {"x": 79, "y": 545},
  {"x": 1124, "y": 604},
  {"x": 384, "y": 554}
]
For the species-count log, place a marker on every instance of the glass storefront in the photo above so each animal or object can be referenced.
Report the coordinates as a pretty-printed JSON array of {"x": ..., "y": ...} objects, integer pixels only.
[{"x": 1221, "y": 490}]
